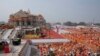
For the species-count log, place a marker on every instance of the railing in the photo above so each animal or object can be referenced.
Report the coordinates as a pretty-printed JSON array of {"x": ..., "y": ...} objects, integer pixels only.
[
  {"x": 13, "y": 34},
  {"x": 3, "y": 33},
  {"x": 24, "y": 50}
]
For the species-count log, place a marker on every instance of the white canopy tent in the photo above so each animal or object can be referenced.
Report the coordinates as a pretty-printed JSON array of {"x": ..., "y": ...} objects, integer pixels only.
[{"x": 49, "y": 40}]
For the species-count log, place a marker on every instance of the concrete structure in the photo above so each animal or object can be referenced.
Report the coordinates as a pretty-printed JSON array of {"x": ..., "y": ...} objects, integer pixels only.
[{"x": 25, "y": 18}]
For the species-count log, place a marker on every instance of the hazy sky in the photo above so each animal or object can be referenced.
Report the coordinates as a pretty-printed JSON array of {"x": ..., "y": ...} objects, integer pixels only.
[{"x": 54, "y": 10}]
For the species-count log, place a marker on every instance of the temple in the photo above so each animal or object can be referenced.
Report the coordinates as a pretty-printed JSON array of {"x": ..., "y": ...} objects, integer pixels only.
[{"x": 25, "y": 18}]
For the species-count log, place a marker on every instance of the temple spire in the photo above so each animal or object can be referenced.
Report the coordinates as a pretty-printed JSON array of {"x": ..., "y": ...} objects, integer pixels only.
[{"x": 28, "y": 11}]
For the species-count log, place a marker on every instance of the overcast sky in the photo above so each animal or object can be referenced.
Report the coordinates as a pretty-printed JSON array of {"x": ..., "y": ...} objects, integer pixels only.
[{"x": 54, "y": 10}]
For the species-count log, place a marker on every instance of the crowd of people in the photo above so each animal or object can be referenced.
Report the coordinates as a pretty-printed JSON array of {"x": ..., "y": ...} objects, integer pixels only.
[
  {"x": 86, "y": 36},
  {"x": 64, "y": 49},
  {"x": 84, "y": 42}
]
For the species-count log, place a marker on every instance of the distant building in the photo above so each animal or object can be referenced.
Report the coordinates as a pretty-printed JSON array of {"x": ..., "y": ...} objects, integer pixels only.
[{"x": 25, "y": 18}]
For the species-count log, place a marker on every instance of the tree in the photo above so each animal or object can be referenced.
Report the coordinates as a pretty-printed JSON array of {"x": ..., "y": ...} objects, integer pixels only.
[
  {"x": 58, "y": 23},
  {"x": 97, "y": 24},
  {"x": 68, "y": 23},
  {"x": 2, "y": 23},
  {"x": 81, "y": 23}
]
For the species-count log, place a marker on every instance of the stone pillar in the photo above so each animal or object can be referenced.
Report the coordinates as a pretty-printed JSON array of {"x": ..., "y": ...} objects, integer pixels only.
[
  {"x": 31, "y": 23},
  {"x": 25, "y": 23},
  {"x": 20, "y": 23},
  {"x": 15, "y": 24},
  {"x": 12, "y": 23}
]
